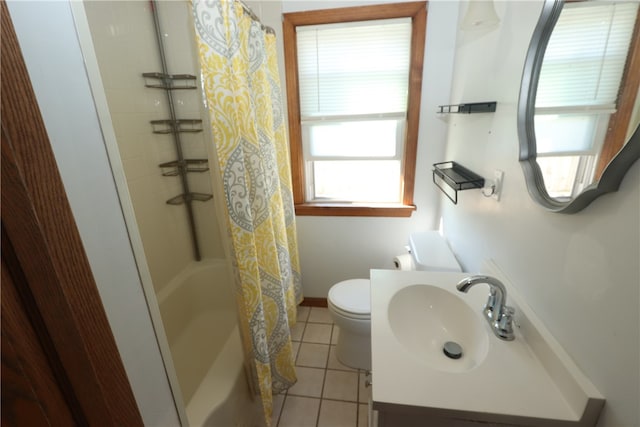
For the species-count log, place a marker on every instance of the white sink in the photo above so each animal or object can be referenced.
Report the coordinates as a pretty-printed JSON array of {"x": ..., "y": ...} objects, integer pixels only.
[
  {"x": 528, "y": 381},
  {"x": 423, "y": 318}
]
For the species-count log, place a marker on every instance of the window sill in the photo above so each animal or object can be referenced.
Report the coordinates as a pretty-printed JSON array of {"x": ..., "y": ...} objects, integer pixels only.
[{"x": 354, "y": 209}]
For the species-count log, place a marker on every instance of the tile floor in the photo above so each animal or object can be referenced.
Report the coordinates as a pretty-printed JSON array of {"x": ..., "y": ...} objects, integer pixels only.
[{"x": 328, "y": 393}]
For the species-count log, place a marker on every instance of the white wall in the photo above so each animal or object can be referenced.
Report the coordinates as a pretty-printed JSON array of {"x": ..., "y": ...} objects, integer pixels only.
[
  {"x": 580, "y": 272},
  {"x": 338, "y": 248},
  {"x": 48, "y": 40}
]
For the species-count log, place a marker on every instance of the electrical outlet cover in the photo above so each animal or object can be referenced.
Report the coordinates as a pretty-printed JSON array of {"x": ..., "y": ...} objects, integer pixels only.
[{"x": 498, "y": 176}]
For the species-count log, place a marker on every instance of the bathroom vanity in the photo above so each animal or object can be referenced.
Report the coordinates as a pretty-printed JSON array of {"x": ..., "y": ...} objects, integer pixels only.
[{"x": 529, "y": 381}]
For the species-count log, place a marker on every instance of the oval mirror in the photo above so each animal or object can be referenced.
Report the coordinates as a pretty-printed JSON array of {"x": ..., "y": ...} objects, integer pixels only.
[{"x": 579, "y": 108}]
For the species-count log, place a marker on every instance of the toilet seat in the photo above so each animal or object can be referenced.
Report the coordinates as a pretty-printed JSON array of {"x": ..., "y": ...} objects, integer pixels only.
[
  {"x": 351, "y": 298},
  {"x": 347, "y": 314}
]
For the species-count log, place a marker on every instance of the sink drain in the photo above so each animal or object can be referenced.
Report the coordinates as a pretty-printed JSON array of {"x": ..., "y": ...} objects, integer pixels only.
[{"x": 452, "y": 350}]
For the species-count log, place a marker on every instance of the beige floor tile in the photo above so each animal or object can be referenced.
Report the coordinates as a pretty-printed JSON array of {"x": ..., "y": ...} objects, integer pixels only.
[
  {"x": 313, "y": 355},
  {"x": 363, "y": 415},
  {"x": 309, "y": 382},
  {"x": 299, "y": 412},
  {"x": 341, "y": 385},
  {"x": 320, "y": 315},
  {"x": 278, "y": 400},
  {"x": 303, "y": 313},
  {"x": 297, "y": 331},
  {"x": 363, "y": 392},
  {"x": 334, "y": 363},
  {"x": 337, "y": 414},
  {"x": 317, "y": 333}
]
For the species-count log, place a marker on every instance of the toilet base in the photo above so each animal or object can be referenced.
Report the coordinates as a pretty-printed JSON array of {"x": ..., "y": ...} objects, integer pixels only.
[{"x": 354, "y": 350}]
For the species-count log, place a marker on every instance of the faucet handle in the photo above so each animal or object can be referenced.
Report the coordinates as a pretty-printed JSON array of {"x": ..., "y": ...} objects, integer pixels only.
[
  {"x": 504, "y": 325},
  {"x": 490, "y": 306}
]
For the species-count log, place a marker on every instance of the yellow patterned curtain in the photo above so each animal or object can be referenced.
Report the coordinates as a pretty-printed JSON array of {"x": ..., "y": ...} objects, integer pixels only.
[{"x": 241, "y": 83}]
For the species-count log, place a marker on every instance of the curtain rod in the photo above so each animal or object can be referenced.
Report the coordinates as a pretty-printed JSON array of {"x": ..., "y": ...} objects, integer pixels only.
[{"x": 247, "y": 10}]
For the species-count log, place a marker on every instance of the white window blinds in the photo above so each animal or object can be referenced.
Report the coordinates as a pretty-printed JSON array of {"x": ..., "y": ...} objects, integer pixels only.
[
  {"x": 353, "y": 68},
  {"x": 585, "y": 58}
]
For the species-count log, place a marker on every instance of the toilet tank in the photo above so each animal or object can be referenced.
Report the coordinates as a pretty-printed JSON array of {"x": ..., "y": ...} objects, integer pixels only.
[{"x": 431, "y": 252}]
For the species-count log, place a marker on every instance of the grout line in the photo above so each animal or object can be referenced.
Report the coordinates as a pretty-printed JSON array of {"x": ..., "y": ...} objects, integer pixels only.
[
  {"x": 302, "y": 335},
  {"x": 358, "y": 398},
  {"x": 319, "y": 409},
  {"x": 326, "y": 362},
  {"x": 324, "y": 379},
  {"x": 338, "y": 400},
  {"x": 295, "y": 359},
  {"x": 284, "y": 400}
]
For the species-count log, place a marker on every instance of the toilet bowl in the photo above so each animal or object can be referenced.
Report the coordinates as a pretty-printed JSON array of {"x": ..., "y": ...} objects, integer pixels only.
[
  {"x": 349, "y": 304},
  {"x": 349, "y": 301}
]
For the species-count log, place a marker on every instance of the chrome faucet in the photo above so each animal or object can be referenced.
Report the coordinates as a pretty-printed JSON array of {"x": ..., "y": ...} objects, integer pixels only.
[{"x": 496, "y": 312}]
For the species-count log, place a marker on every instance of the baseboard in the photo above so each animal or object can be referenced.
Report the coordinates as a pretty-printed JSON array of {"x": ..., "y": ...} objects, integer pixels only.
[{"x": 314, "y": 302}]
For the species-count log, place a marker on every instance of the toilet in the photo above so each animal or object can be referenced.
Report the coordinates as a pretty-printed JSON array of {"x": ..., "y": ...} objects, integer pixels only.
[{"x": 349, "y": 301}]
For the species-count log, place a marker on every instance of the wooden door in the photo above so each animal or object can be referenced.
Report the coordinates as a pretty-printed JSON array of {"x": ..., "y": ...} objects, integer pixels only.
[
  {"x": 60, "y": 363},
  {"x": 31, "y": 393}
]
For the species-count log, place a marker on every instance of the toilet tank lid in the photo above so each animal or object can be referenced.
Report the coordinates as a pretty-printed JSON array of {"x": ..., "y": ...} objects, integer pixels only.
[
  {"x": 431, "y": 252},
  {"x": 353, "y": 296}
]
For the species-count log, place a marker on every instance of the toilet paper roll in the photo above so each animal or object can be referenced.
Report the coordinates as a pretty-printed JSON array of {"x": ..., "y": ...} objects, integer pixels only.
[{"x": 403, "y": 262}]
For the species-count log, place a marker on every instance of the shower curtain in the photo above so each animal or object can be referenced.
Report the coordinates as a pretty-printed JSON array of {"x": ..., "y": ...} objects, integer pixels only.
[{"x": 241, "y": 84}]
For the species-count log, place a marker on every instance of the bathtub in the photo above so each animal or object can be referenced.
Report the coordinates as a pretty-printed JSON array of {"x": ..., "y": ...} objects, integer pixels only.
[{"x": 199, "y": 317}]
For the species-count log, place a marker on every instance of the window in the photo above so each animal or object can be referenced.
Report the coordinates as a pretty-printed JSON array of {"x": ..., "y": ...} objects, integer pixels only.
[
  {"x": 588, "y": 48},
  {"x": 354, "y": 77}
]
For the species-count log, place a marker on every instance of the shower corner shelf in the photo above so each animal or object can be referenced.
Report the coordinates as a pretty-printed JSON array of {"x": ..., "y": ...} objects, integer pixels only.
[
  {"x": 175, "y": 127},
  {"x": 468, "y": 108},
  {"x": 169, "y": 81},
  {"x": 188, "y": 197},
  {"x": 175, "y": 167},
  {"x": 178, "y": 125},
  {"x": 455, "y": 177}
]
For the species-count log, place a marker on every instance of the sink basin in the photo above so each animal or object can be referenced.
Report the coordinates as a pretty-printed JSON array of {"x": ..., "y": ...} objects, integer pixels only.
[
  {"x": 423, "y": 318},
  {"x": 414, "y": 313}
]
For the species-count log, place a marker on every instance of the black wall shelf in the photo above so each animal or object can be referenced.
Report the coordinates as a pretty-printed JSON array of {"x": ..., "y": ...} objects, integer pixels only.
[
  {"x": 469, "y": 108},
  {"x": 451, "y": 177}
]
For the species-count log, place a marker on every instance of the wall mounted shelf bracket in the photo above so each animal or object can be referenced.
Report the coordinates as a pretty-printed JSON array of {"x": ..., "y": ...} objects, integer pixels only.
[
  {"x": 450, "y": 177},
  {"x": 178, "y": 125},
  {"x": 188, "y": 198},
  {"x": 175, "y": 167},
  {"x": 169, "y": 81}
]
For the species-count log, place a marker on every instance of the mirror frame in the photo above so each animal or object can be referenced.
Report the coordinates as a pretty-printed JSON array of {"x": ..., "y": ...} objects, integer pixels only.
[{"x": 614, "y": 172}]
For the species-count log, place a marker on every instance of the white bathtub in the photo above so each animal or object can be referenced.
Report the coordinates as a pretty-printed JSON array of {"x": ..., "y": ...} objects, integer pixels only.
[{"x": 199, "y": 316}]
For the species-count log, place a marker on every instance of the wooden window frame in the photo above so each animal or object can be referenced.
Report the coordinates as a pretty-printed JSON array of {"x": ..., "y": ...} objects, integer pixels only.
[
  {"x": 417, "y": 11},
  {"x": 619, "y": 121}
]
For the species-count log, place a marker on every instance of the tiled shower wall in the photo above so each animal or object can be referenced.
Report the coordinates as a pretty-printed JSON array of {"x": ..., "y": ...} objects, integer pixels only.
[{"x": 124, "y": 40}]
